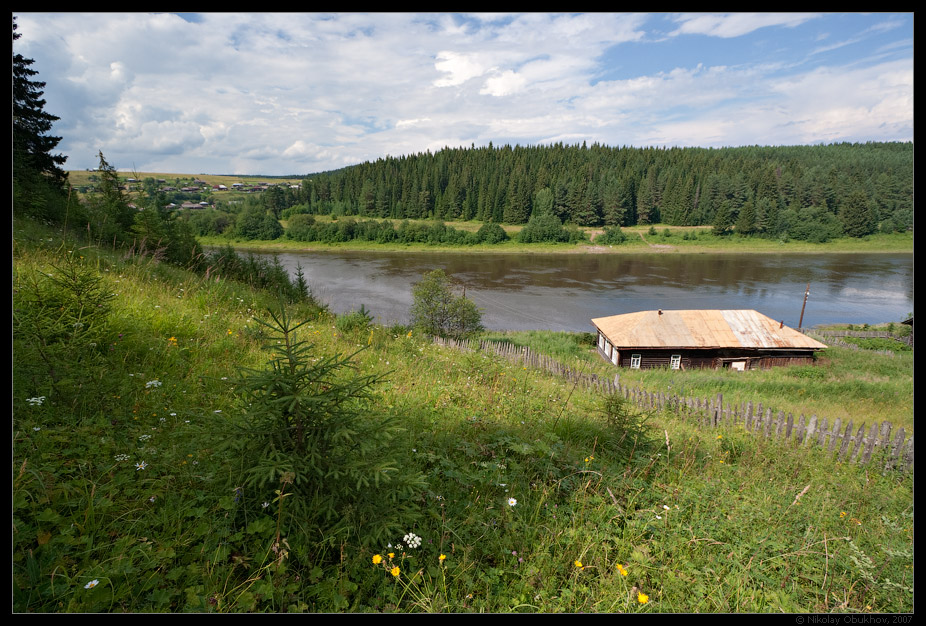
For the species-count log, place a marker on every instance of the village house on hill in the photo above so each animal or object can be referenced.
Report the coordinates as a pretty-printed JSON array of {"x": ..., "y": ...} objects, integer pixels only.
[{"x": 737, "y": 339}]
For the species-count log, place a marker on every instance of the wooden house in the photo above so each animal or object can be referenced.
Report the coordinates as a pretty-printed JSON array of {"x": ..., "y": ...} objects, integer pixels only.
[{"x": 739, "y": 339}]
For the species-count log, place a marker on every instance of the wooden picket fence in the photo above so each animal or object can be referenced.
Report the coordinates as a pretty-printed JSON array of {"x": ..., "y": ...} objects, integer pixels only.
[{"x": 844, "y": 442}]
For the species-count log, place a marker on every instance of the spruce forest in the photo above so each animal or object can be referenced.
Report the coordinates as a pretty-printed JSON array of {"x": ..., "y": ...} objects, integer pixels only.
[{"x": 756, "y": 190}]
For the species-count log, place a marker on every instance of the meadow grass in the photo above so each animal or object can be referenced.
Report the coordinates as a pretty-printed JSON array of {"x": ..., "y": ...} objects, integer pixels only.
[
  {"x": 862, "y": 385},
  {"x": 540, "y": 497}
]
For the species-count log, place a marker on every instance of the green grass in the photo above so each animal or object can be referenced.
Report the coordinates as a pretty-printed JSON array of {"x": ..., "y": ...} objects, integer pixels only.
[
  {"x": 638, "y": 240},
  {"x": 860, "y": 385},
  {"x": 700, "y": 520}
]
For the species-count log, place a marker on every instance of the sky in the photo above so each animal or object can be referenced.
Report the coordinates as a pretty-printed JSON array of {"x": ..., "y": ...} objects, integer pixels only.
[{"x": 294, "y": 94}]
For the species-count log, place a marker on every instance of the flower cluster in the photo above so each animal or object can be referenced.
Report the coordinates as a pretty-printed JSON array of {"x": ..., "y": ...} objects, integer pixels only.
[
  {"x": 412, "y": 540},
  {"x": 390, "y": 567},
  {"x": 152, "y": 384},
  {"x": 38, "y": 401}
]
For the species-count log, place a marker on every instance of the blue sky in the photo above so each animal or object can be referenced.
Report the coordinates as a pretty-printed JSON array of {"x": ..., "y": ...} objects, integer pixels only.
[{"x": 276, "y": 93}]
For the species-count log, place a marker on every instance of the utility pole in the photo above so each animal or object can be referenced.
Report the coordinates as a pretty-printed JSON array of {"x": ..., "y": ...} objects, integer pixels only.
[{"x": 800, "y": 324}]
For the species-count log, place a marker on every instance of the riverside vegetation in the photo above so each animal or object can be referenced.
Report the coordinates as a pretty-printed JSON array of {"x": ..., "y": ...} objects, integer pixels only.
[{"x": 186, "y": 442}]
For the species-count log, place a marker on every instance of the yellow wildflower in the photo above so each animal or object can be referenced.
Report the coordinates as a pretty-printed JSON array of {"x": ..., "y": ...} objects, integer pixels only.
[
  {"x": 395, "y": 571},
  {"x": 391, "y": 555},
  {"x": 642, "y": 598},
  {"x": 578, "y": 563},
  {"x": 377, "y": 559},
  {"x": 620, "y": 568},
  {"x": 442, "y": 558}
]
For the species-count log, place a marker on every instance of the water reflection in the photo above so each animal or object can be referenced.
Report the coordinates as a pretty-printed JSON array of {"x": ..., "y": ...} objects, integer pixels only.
[{"x": 563, "y": 292}]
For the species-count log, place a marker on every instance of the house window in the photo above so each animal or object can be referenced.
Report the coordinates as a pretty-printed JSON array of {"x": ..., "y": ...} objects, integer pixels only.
[
  {"x": 675, "y": 361},
  {"x": 607, "y": 348},
  {"x": 601, "y": 341},
  {"x": 634, "y": 361}
]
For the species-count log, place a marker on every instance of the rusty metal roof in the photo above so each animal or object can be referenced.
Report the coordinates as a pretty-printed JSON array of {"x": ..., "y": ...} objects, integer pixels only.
[{"x": 701, "y": 329}]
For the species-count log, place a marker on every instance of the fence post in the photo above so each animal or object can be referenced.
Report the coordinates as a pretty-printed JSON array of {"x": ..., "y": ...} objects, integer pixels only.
[
  {"x": 859, "y": 437},
  {"x": 799, "y": 435},
  {"x": 894, "y": 451},
  {"x": 836, "y": 426},
  {"x": 811, "y": 429},
  {"x": 822, "y": 433}
]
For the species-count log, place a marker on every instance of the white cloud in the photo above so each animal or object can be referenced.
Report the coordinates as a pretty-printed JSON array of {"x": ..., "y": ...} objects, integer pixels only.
[
  {"x": 736, "y": 24},
  {"x": 287, "y": 93},
  {"x": 504, "y": 84},
  {"x": 458, "y": 68}
]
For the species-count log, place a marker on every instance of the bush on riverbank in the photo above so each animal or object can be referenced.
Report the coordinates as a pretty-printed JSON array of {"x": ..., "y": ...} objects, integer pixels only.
[{"x": 305, "y": 228}]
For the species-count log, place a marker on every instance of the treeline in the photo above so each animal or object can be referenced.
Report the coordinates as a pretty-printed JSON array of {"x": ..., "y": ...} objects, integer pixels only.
[
  {"x": 305, "y": 228},
  {"x": 808, "y": 192}
]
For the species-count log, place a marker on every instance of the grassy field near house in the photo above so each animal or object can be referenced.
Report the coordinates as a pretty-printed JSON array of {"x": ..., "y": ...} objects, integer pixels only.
[
  {"x": 532, "y": 496},
  {"x": 862, "y": 385}
]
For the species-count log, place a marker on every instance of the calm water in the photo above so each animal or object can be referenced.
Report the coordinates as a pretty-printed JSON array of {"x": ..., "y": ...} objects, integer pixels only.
[{"x": 563, "y": 292}]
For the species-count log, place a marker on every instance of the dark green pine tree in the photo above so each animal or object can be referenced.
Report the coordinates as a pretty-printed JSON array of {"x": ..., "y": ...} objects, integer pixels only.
[
  {"x": 746, "y": 220},
  {"x": 723, "y": 219},
  {"x": 856, "y": 216},
  {"x": 518, "y": 204},
  {"x": 32, "y": 145},
  {"x": 37, "y": 173}
]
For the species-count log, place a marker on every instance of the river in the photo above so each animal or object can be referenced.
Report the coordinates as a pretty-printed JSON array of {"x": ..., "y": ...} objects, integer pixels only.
[{"x": 564, "y": 291}]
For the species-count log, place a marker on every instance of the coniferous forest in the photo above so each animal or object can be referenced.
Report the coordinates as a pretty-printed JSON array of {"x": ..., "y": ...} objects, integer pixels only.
[{"x": 858, "y": 188}]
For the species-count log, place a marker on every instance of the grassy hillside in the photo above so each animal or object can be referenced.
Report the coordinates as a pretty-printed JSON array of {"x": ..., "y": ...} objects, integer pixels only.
[{"x": 150, "y": 474}]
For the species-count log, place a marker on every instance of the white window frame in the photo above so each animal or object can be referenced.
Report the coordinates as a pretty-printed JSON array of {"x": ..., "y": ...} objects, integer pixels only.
[
  {"x": 635, "y": 360},
  {"x": 675, "y": 361}
]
